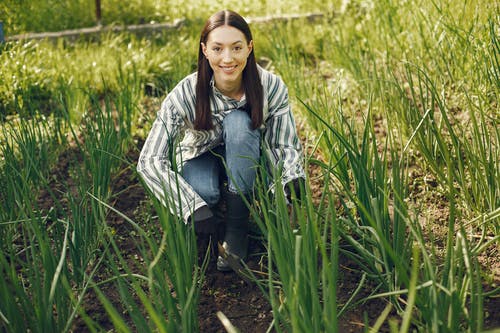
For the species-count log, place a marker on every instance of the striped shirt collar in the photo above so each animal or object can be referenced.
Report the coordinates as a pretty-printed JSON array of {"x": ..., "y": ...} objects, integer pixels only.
[{"x": 219, "y": 94}]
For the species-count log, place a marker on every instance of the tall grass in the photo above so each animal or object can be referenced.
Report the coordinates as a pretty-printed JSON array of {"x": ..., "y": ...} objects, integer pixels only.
[
  {"x": 302, "y": 255},
  {"x": 40, "y": 283},
  {"x": 369, "y": 192},
  {"x": 19, "y": 17},
  {"x": 381, "y": 243},
  {"x": 164, "y": 295},
  {"x": 377, "y": 219},
  {"x": 35, "y": 287},
  {"x": 107, "y": 136},
  {"x": 26, "y": 156},
  {"x": 469, "y": 152}
]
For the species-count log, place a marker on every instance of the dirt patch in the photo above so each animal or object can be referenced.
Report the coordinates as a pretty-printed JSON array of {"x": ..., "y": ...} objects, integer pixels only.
[{"x": 241, "y": 302}]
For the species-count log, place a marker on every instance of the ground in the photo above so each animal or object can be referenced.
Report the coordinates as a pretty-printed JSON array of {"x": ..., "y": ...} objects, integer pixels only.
[{"x": 242, "y": 302}]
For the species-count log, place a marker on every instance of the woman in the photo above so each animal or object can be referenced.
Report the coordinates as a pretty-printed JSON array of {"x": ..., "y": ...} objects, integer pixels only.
[{"x": 224, "y": 112}]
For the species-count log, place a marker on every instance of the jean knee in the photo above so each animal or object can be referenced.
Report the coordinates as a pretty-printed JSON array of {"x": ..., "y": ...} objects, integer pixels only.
[
  {"x": 209, "y": 194},
  {"x": 203, "y": 177}
]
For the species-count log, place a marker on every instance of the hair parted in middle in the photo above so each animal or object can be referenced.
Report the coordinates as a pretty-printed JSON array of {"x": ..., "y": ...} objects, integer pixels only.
[{"x": 251, "y": 79}]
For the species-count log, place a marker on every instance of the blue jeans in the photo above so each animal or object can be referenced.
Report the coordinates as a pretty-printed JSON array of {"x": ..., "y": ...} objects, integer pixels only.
[{"x": 241, "y": 152}]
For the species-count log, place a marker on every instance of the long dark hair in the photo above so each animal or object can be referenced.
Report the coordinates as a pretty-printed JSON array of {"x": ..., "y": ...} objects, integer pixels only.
[{"x": 251, "y": 78}]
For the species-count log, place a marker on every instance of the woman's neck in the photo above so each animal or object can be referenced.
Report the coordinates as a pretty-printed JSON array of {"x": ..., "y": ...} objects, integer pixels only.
[{"x": 234, "y": 91}]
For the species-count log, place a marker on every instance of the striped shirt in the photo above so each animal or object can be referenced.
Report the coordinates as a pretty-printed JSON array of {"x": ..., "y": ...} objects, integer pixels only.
[{"x": 159, "y": 166}]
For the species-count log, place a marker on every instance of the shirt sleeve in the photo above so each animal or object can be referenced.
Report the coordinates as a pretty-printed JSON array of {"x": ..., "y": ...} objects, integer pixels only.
[
  {"x": 280, "y": 135},
  {"x": 155, "y": 163}
]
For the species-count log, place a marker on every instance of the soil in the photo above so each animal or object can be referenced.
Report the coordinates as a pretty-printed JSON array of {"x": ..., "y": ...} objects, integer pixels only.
[{"x": 242, "y": 302}]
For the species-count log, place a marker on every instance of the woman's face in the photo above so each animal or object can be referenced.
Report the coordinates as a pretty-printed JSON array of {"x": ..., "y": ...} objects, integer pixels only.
[{"x": 227, "y": 51}]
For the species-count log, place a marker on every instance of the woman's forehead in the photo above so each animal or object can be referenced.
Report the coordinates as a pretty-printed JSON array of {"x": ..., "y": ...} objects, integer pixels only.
[{"x": 226, "y": 34}]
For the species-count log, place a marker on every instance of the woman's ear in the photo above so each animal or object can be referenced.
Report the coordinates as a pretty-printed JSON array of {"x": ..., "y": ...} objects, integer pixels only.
[
  {"x": 204, "y": 49},
  {"x": 250, "y": 47}
]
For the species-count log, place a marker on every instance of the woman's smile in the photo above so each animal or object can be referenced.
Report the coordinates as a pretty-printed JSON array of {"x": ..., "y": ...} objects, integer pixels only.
[{"x": 228, "y": 69}]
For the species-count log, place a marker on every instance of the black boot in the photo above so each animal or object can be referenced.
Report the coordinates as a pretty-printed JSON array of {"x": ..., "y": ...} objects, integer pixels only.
[
  {"x": 206, "y": 227},
  {"x": 236, "y": 235}
]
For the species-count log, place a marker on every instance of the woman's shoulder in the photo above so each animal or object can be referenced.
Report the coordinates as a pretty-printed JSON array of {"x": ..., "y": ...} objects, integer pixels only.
[
  {"x": 182, "y": 97},
  {"x": 188, "y": 82},
  {"x": 185, "y": 89},
  {"x": 269, "y": 79}
]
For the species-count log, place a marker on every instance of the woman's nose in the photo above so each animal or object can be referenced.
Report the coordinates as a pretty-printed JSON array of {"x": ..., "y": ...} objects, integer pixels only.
[{"x": 227, "y": 56}]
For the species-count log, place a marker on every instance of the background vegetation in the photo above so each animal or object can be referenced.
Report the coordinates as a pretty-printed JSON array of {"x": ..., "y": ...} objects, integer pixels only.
[{"x": 399, "y": 100}]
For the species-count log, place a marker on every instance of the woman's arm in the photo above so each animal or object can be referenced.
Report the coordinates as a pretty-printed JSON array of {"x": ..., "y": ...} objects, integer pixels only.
[
  {"x": 155, "y": 164},
  {"x": 283, "y": 145}
]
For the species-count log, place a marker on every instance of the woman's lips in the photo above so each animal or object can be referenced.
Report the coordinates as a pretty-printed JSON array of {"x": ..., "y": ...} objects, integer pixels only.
[{"x": 228, "y": 69}]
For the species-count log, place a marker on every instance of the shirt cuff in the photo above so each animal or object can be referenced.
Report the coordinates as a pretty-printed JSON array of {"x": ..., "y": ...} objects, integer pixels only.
[{"x": 201, "y": 214}]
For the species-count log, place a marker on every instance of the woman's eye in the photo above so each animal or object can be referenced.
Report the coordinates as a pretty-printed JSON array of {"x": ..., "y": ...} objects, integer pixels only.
[
  {"x": 237, "y": 48},
  {"x": 216, "y": 49}
]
